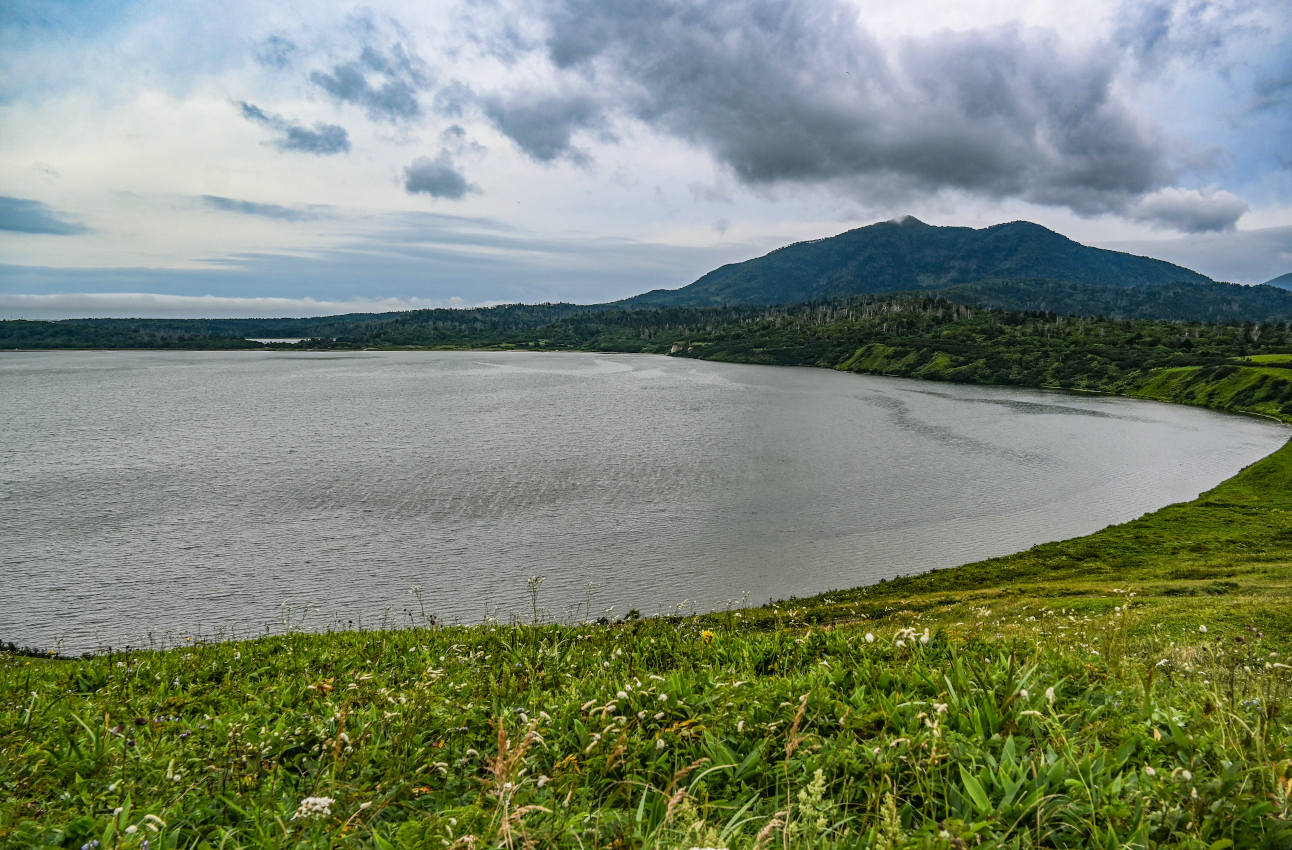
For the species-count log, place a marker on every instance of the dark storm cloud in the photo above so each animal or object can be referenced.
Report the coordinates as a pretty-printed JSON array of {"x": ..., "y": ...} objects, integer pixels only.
[
  {"x": 321, "y": 139},
  {"x": 234, "y": 205},
  {"x": 386, "y": 83},
  {"x": 436, "y": 177},
  {"x": 1190, "y": 211},
  {"x": 801, "y": 92},
  {"x": 22, "y": 215}
]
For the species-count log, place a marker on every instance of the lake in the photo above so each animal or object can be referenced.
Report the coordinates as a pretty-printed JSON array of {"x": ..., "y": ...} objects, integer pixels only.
[{"x": 149, "y": 497}]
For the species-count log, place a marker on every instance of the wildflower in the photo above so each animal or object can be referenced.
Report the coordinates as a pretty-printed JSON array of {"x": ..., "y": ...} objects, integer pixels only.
[
  {"x": 1149, "y": 771},
  {"x": 663, "y": 697},
  {"x": 706, "y": 636},
  {"x": 940, "y": 707},
  {"x": 314, "y": 807},
  {"x": 1163, "y": 662},
  {"x": 1049, "y": 695},
  {"x": 1202, "y": 629},
  {"x": 870, "y": 637},
  {"x": 924, "y": 638},
  {"x": 1186, "y": 776},
  {"x": 132, "y": 829},
  {"x": 1022, "y": 693},
  {"x": 659, "y": 744}
]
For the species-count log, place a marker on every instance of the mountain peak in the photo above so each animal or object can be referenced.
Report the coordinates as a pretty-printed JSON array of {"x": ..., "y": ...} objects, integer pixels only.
[{"x": 904, "y": 254}]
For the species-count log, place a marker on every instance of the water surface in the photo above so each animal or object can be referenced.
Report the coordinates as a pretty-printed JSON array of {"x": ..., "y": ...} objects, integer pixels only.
[{"x": 160, "y": 495}]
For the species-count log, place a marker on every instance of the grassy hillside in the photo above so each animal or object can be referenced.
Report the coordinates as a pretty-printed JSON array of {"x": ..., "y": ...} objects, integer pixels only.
[{"x": 1126, "y": 689}]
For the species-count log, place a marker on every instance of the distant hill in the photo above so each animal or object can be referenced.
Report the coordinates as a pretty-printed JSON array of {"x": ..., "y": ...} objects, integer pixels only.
[
  {"x": 1283, "y": 281},
  {"x": 905, "y": 255},
  {"x": 1176, "y": 302},
  {"x": 1017, "y": 266}
]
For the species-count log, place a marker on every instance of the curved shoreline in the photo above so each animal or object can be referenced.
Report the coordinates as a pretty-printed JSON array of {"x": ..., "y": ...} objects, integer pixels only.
[{"x": 889, "y": 583}]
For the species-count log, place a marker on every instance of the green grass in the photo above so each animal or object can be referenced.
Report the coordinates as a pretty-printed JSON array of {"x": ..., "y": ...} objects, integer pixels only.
[
  {"x": 1269, "y": 358},
  {"x": 1262, "y": 389},
  {"x": 1066, "y": 696}
]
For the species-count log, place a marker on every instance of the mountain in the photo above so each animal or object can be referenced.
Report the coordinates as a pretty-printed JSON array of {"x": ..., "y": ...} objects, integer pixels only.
[
  {"x": 1283, "y": 281},
  {"x": 906, "y": 254}
]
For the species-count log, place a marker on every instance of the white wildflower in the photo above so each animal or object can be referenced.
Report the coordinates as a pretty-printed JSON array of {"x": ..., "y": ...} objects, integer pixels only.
[
  {"x": 1150, "y": 771},
  {"x": 1022, "y": 693},
  {"x": 1202, "y": 629},
  {"x": 314, "y": 807},
  {"x": 870, "y": 637},
  {"x": 1049, "y": 695},
  {"x": 659, "y": 744}
]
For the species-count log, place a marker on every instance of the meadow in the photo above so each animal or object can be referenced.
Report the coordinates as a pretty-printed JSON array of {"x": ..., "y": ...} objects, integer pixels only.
[{"x": 1125, "y": 689}]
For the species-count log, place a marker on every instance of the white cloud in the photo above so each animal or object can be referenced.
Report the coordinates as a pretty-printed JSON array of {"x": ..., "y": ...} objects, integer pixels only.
[{"x": 146, "y": 305}]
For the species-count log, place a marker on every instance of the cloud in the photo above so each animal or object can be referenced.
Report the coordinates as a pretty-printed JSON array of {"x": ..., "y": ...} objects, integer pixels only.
[
  {"x": 323, "y": 139},
  {"x": 1190, "y": 210},
  {"x": 1240, "y": 256},
  {"x": 804, "y": 94},
  {"x": 22, "y": 215},
  {"x": 275, "y": 52},
  {"x": 543, "y": 125},
  {"x": 455, "y": 139},
  {"x": 234, "y": 205},
  {"x": 399, "y": 74},
  {"x": 151, "y": 305},
  {"x": 413, "y": 255},
  {"x": 436, "y": 177}
]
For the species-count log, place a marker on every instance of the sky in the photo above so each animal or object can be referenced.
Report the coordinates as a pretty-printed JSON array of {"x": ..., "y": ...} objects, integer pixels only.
[{"x": 261, "y": 158}]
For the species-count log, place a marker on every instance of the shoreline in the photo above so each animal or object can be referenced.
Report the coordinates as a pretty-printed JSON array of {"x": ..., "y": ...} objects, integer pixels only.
[{"x": 12, "y": 648}]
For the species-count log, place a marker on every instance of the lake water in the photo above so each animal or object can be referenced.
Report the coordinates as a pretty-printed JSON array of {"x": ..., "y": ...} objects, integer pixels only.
[{"x": 161, "y": 495}]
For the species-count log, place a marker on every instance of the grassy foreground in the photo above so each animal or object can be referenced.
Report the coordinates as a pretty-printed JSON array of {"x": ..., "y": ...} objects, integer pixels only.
[{"x": 1126, "y": 689}]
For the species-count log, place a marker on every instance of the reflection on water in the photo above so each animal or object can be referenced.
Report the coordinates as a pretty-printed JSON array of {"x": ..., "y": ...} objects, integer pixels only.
[{"x": 197, "y": 493}]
